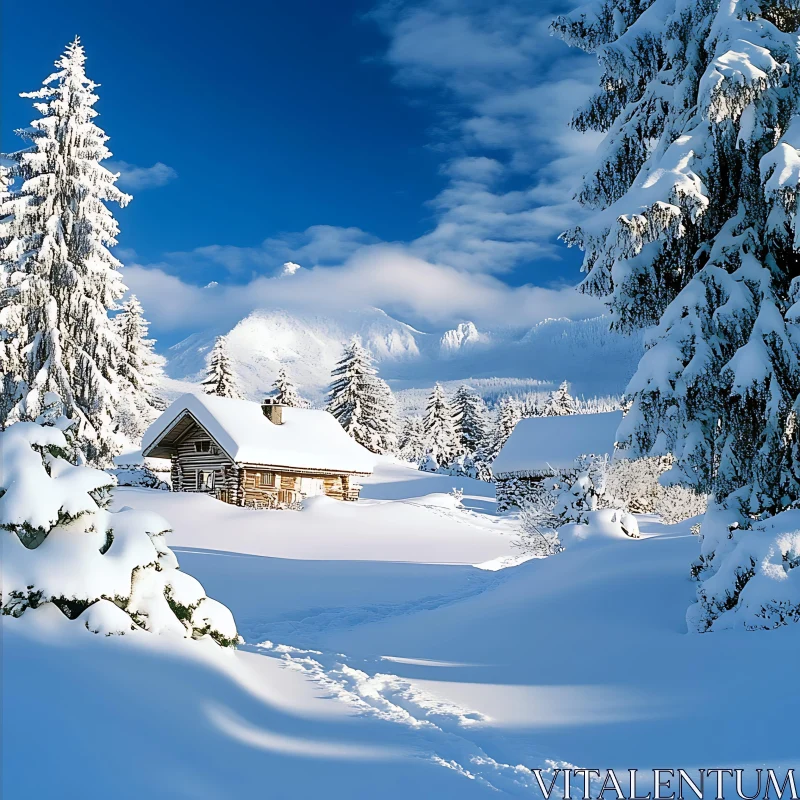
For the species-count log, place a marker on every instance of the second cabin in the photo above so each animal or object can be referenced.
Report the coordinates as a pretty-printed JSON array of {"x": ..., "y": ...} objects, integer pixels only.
[{"x": 266, "y": 456}]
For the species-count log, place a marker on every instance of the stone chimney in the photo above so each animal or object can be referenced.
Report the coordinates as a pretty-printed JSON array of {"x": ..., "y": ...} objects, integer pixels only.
[{"x": 273, "y": 411}]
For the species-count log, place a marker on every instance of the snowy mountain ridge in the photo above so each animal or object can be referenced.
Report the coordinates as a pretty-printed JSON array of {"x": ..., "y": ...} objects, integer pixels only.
[{"x": 595, "y": 360}]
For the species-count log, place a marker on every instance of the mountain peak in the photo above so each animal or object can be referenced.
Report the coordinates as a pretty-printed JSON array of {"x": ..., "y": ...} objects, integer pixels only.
[{"x": 465, "y": 334}]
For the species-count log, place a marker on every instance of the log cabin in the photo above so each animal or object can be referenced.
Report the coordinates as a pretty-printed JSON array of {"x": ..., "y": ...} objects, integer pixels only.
[
  {"x": 541, "y": 448},
  {"x": 261, "y": 455}
]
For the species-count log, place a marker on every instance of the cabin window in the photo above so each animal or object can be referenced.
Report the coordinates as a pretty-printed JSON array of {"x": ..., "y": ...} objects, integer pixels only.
[
  {"x": 268, "y": 479},
  {"x": 205, "y": 480},
  {"x": 202, "y": 447}
]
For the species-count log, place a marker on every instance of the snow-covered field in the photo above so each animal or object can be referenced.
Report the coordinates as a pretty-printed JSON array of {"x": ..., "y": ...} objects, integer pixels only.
[{"x": 379, "y": 662}]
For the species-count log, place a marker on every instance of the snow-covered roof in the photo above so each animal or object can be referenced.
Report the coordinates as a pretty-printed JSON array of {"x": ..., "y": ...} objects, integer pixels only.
[
  {"x": 307, "y": 439},
  {"x": 546, "y": 445}
]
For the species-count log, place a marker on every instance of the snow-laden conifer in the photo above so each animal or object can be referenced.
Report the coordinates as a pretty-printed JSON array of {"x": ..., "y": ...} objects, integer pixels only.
[
  {"x": 138, "y": 403},
  {"x": 62, "y": 279},
  {"x": 411, "y": 442},
  {"x": 111, "y": 573},
  {"x": 285, "y": 392},
  {"x": 471, "y": 420},
  {"x": 509, "y": 413},
  {"x": 220, "y": 379},
  {"x": 560, "y": 403},
  {"x": 362, "y": 402},
  {"x": 441, "y": 439},
  {"x": 694, "y": 228}
]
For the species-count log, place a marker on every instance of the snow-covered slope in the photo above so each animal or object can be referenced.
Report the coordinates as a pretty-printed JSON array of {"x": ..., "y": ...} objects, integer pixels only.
[
  {"x": 379, "y": 663},
  {"x": 584, "y": 352},
  {"x": 308, "y": 345}
]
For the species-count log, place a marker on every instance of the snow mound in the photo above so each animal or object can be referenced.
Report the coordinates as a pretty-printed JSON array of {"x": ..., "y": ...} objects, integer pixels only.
[{"x": 602, "y": 525}]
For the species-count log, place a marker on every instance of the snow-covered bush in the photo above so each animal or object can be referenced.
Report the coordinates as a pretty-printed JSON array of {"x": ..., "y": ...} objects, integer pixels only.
[
  {"x": 604, "y": 523},
  {"x": 139, "y": 475},
  {"x": 539, "y": 523},
  {"x": 749, "y": 576},
  {"x": 576, "y": 500},
  {"x": 634, "y": 483},
  {"x": 513, "y": 491},
  {"x": 111, "y": 572},
  {"x": 463, "y": 466},
  {"x": 551, "y": 507},
  {"x": 679, "y": 503},
  {"x": 429, "y": 463}
]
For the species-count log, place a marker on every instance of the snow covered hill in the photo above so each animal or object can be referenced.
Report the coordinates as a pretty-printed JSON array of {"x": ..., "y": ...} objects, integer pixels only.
[
  {"x": 379, "y": 663},
  {"x": 308, "y": 345},
  {"x": 594, "y": 360}
]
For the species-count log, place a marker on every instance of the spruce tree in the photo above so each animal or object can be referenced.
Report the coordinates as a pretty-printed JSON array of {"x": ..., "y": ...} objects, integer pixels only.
[
  {"x": 693, "y": 228},
  {"x": 560, "y": 403},
  {"x": 362, "y": 402},
  {"x": 220, "y": 379},
  {"x": 509, "y": 413},
  {"x": 471, "y": 420},
  {"x": 11, "y": 355},
  {"x": 411, "y": 443},
  {"x": 441, "y": 440},
  {"x": 61, "y": 279},
  {"x": 139, "y": 402},
  {"x": 286, "y": 392}
]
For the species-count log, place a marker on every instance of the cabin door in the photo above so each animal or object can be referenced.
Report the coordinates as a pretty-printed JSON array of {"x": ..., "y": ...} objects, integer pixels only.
[{"x": 312, "y": 487}]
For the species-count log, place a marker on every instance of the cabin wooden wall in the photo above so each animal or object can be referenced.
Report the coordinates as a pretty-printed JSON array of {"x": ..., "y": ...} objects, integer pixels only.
[
  {"x": 187, "y": 462},
  {"x": 288, "y": 486}
]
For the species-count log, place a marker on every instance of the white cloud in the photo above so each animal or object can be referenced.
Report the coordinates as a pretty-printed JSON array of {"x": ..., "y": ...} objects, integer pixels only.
[
  {"x": 133, "y": 177},
  {"x": 385, "y": 276},
  {"x": 511, "y": 90},
  {"x": 474, "y": 168},
  {"x": 319, "y": 244},
  {"x": 511, "y": 162}
]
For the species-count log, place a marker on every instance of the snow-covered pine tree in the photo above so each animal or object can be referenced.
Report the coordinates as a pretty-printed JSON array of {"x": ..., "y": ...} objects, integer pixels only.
[
  {"x": 112, "y": 573},
  {"x": 62, "y": 279},
  {"x": 694, "y": 228},
  {"x": 385, "y": 412},
  {"x": 286, "y": 392},
  {"x": 362, "y": 402},
  {"x": 139, "y": 402},
  {"x": 411, "y": 443},
  {"x": 441, "y": 439},
  {"x": 560, "y": 403},
  {"x": 509, "y": 413},
  {"x": 471, "y": 420},
  {"x": 11, "y": 356},
  {"x": 220, "y": 378}
]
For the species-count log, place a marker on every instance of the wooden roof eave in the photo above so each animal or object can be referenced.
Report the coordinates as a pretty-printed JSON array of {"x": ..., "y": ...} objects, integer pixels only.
[{"x": 297, "y": 470}]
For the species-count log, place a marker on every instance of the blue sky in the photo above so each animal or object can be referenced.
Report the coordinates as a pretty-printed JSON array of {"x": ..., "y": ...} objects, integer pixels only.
[{"x": 411, "y": 155}]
